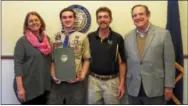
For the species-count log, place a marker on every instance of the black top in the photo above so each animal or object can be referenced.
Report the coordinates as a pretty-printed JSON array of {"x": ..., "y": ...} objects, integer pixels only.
[
  {"x": 104, "y": 59},
  {"x": 33, "y": 66}
]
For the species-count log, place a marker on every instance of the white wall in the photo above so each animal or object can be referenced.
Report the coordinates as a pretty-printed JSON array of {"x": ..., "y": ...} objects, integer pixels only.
[
  {"x": 8, "y": 95},
  {"x": 185, "y": 88},
  {"x": 13, "y": 14},
  {"x": 183, "y": 5},
  {"x": 0, "y": 51}
]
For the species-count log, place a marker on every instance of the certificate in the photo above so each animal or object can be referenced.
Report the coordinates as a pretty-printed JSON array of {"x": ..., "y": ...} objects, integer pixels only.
[{"x": 64, "y": 60}]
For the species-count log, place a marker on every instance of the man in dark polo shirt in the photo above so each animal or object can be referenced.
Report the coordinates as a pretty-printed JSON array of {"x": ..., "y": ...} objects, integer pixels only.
[{"x": 107, "y": 62}]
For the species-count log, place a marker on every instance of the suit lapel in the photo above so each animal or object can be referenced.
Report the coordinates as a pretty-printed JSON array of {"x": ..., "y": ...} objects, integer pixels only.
[
  {"x": 135, "y": 44},
  {"x": 149, "y": 39}
]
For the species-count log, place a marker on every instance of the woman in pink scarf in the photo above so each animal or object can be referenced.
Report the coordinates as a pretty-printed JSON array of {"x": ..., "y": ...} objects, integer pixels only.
[{"x": 32, "y": 59}]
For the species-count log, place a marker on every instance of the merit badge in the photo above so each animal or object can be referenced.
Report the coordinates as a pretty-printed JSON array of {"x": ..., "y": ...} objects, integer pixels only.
[
  {"x": 76, "y": 42},
  {"x": 83, "y": 18},
  {"x": 76, "y": 49},
  {"x": 58, "y": 44},
  {"x": 77, "y": 37},
  {"x": 58, "y": 37}
]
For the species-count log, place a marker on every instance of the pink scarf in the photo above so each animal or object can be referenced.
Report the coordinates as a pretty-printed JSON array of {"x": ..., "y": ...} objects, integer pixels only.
[{"x": 43, "y": 47}]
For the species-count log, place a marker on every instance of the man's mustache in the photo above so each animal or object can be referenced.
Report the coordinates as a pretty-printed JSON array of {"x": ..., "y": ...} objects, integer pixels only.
[{"x": 102, "y": 23}]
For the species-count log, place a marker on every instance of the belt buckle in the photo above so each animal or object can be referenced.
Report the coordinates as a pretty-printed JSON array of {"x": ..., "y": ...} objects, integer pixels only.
[
  {"x": 97, "y": 76},
  {"x": 107, "y": 77},
  {"x": 103, "y": 77},
  {"x": 100, "y": 77}
]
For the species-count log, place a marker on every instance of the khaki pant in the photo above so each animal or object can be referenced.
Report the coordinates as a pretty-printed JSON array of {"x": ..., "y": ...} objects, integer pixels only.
[{"x": 103, "y": 91}]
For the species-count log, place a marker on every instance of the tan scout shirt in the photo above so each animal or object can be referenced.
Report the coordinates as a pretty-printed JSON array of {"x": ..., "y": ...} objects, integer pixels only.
[{"x": 78, "y": 41}]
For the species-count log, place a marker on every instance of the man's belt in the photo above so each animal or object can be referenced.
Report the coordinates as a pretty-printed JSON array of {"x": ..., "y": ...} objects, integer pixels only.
[{"x": 103, "y": 77}]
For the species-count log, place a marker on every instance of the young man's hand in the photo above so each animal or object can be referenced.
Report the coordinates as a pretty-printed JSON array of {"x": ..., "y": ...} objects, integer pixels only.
[{"x": 79, "y": 77}]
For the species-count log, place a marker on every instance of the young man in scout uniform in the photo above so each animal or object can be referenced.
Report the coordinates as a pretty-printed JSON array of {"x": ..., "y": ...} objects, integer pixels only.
[{"x": 70, "y": 92}]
